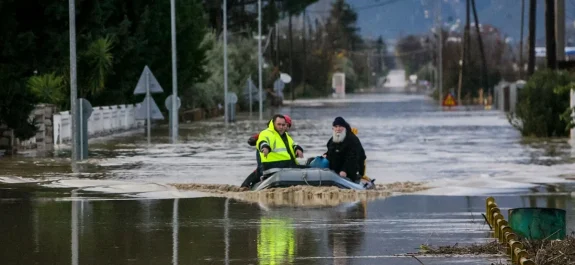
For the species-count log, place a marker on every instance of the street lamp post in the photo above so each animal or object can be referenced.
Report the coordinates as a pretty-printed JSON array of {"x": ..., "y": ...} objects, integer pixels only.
[
  {"x": 225, "y": 7},
  {"x": 174, "y": 117},
  {"x": 260, "y": 57},
  {"x": 73, "y": 79}
]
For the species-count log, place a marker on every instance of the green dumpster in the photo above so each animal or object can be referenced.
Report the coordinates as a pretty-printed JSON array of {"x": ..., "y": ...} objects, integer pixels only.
[{"x": 538, "y": 223}]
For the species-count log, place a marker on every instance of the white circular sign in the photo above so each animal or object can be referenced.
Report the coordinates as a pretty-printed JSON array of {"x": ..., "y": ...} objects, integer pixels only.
[
  {"x": 232, "y": 98},
  {"x": 285, "y": 78}
]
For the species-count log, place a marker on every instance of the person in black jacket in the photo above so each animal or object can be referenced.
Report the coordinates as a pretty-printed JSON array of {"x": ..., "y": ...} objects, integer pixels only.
[{"x": 345, "y": 152}]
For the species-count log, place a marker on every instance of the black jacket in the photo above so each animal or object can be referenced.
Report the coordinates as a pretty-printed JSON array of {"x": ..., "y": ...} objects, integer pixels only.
[{"x": 347, "y": 156}]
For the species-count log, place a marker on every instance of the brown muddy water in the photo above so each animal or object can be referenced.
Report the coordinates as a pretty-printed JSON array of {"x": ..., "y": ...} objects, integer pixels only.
[
  {"x": 407, "y": 138},
  {"x": 131, "y": 203},
  {"x": 66, "y": 226}
]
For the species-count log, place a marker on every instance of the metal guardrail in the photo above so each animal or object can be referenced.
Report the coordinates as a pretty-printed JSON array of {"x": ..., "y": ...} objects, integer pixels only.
[{"x": 504, "y": 233}]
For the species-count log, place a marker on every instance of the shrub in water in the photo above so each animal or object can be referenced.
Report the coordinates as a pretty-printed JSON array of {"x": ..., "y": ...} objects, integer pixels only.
[{"x": 543, "y": 105}]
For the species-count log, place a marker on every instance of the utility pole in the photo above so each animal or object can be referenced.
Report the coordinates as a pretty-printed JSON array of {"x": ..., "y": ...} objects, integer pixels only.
[
  {"x": 481, "y": 50},
  {"x": 560, "y": 29},
  {"x": 260, "y": 58},
  {"x": 174, "y": 117},
  {"x": 292, "y": 87},
  {"x": 550, "y": 46},
  {"x": 532, "y": 20},
  {"x": 367, "y": 67},
  {"x": 440, "y": 57},
  {"x": 73, "y": 79},
  {"x": 464, "y": 51},
  {"x": 225, "y": 7},
  {"x": 303, "y": 68},
  {"x": 521, "y": 40},
  {"x": 277, "y": 45}
]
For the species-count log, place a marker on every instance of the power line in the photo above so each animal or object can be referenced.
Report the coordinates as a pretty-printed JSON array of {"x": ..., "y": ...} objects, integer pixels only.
[
  {"x": 397, "y": 54},
  {"x": 388, "y": 2}
]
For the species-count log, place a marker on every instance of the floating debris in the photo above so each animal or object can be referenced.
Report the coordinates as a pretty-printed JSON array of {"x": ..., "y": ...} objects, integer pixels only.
[
  {"x": 542, "y": 252},
  {"x": 491, "y": 248},
  {"x": 304, "y": 195},
  {"x": 551, "y": 252}
]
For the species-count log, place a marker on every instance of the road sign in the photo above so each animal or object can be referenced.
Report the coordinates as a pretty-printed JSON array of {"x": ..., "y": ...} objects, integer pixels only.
[
  {"x": 155, "y": 113},
  {"x": 85, "y": 107},
  {"x": 232, "y": 98},
  {"x": 449, "y": 101},
  {"x": 285, "y": 78},
  {"x": 279, "y": 86},
  {"x": 154, "y": 84},
  {"x": 84, "y": 113},
  {"x": 168, "y": 103}
]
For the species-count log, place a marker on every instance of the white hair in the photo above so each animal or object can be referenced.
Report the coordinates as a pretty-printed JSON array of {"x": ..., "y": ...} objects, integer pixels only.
[{"x": 338, "y": 137}]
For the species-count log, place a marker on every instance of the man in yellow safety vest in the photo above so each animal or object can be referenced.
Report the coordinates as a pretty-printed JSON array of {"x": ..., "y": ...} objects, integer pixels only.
[{"x": 277, "y": 148}]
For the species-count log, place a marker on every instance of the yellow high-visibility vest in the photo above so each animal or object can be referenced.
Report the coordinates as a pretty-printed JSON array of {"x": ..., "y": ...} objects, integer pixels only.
[{"x": 279, "y": 152}]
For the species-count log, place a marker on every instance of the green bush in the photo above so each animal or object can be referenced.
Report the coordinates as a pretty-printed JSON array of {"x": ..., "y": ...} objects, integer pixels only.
[{"x": 543, "y": 105}]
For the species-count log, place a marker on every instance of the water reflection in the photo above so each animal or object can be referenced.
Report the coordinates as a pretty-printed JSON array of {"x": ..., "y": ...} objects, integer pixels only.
[
  {"x": 175, "y": 238},
  {"x": 37, "y": 229},
  {"x": 276, "y": 241},
  {"x": 286, "y": 232}
]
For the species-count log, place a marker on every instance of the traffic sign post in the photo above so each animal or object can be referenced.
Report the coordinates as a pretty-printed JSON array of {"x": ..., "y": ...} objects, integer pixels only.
[
  {"x": 449, "y": 101},
  {"x": 84, "y": 113},
  {"x": 232, "y": 100},
  {"x": 250, "y": 85},
  {"x": 168, "y": 104},
  {"x": 148, "y": 84}
]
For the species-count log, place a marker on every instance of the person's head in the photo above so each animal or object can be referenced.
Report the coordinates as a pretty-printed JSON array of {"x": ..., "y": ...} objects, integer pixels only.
[
  {"x": 288, "y": 122},
  {"x": 339, "y": 129},
  {"x": 280, "y": 124}
]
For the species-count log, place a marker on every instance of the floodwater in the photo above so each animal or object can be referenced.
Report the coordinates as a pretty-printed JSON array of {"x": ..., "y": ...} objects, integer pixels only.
[
  {"x": 45, "y": 226},
  {"x": 406, "y": 138},
  {"x": 122, "y": 205}
]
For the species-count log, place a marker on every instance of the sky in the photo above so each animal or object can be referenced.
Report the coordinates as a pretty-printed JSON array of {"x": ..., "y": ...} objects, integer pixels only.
[{"x": 394, "y": 18}]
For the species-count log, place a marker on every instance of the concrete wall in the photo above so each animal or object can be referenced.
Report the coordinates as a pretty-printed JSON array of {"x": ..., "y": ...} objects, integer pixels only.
[
  {"x": 6, "y": 142},
  {"x": 572, "y": 104},
  {"x": 43, "y": 141},
  {"x": 105, "y": 120},
  {"x": 500, "y": 97}
]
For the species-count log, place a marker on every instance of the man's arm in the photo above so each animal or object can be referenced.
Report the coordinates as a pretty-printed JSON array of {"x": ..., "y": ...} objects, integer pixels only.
[
  {"x": 252, "y": 141},
  {"x": 297, "y": 148},
  {"x": 327, "y": 147},
  {"x": 263, "y": 142}
]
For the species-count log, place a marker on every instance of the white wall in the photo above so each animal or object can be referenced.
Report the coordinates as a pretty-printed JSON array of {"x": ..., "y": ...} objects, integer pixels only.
[
  {"x": 572, "y": 104},
  {"x": 104, "y": 120},
  {"x": 499, "y": 92}
]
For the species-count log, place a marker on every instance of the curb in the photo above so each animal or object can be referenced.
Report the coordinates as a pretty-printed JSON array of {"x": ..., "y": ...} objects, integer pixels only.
[{"x": 505, "y": 234}]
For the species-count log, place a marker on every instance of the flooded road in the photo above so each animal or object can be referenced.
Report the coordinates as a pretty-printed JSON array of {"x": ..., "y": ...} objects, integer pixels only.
[
  {"x": 126, "y": 204},
  {"x": 406, "y": 138},
  {"x": 44, "y": 226}
]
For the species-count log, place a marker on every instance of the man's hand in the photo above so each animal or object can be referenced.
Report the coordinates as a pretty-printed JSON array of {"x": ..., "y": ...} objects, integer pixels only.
[
  {"x": 324, "y": 155},
  {"x": 266, "y": 151},
  {"x": 342, "y": 174},
  {"x": 299, "y": 153}
]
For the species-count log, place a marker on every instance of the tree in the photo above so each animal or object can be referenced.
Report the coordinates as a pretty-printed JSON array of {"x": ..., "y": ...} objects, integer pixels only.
[
  {"x": 381, "y": 50},
  {"x": 409, "y": 50},
  {"x": 341, "y": 27},
  {"x": 242, "y": 62},
  {"x": 48, "y": 88}
]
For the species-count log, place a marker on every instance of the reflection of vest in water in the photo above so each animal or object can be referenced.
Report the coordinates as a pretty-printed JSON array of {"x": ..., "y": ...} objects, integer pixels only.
[{"x": 276, "y": 242}]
